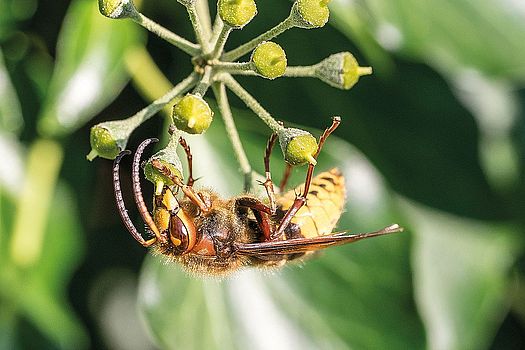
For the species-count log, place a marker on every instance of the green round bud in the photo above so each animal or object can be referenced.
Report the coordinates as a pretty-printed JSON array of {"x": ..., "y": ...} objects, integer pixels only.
[
  {"x": 155, "y": 176},
  {"x": 237, "y": 13},
  {"x": 341, "y": 70},
  {"x": 269, "y": 60},
  {"x": 311, "y": 13},
  {"x": 102, "y": 144},
  {"x": 108, "y": 139},
  {"x": 117, "y": 8},
  {"x": 298, "y": 146},
  {"x": 192, "y": 114},
  {"x": 169, "y": 158}
]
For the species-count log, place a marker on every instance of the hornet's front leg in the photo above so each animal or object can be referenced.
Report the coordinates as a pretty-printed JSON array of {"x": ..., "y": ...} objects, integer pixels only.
[{"x": 188, "y": 190}]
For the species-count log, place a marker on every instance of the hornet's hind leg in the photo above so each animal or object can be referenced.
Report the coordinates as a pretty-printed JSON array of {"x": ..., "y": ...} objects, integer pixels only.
[
  {"x": 301, "y": 198},
  {"x": 268, "y": 183},
  {"x": 262, "y": 212}
]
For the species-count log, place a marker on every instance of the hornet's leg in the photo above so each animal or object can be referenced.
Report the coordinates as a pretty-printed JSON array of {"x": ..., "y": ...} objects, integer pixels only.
[
  {"x": 189, "y": 157},
  {"x": 286, "y": 176},
  {"x": 300, "y": 200},
  {"x": 261, "y": 212},
  {"x": 268, "y": 183},
  {"x": 188, "y": 190}
]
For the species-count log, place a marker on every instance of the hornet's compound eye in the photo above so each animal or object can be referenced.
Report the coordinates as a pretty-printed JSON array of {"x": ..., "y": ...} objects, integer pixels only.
[{"x": 183, "y": 234}]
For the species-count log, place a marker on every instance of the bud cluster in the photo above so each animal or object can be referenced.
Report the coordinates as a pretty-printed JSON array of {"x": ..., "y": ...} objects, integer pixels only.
[{"x": 214, "y": 67}]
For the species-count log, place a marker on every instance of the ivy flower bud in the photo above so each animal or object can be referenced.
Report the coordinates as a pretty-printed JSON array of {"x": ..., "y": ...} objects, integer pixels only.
[
  {"x": 310, "y": 13},
  {"x": 298, "y": 146},
  {"x": 108, "y": 139},
  {"x": 192, "y": 114},
  {"x": 269, "y": 60},
  {"x": 169, "y": 158},
  {"x": 237, "y": 13},
  {"x": 341, "y": 70},
  {"x": 117, "y": 8}
]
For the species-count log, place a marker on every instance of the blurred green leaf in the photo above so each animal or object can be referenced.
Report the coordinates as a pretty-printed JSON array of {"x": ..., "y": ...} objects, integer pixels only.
[
  {"x": 45, "y": 299},
  {"x": 484, "y": 35},
  {"x": 38, "y": 294},
  {"x": 461, "y": 276},
  {"x": 14, "y": 11},
  {"x": 89, "y": 71},
  {"x": 361, "y": 296},
  {"x": 10, "y": 113}
]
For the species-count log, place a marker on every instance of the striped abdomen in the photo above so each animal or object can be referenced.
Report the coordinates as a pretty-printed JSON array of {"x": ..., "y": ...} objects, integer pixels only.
[{"x": 324, "y": 204}]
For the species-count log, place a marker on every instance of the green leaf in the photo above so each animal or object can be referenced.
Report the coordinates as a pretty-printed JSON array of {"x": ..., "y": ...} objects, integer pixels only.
[
  {"x": 353, "y": 296},
  {"x": 39, "y": 293},
  {"x": 89, "y": 71},
  {"x": 461, "y": 276},
  {"x": 45, "y": 299},
  {"x": 12, "y": 12},
  {"x": 486, "y": 35},
  {"x": 10, "y": 113}
]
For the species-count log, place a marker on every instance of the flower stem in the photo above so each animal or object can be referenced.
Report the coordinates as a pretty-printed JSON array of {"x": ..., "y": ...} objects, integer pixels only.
[
  {"x": 300, "y": 71},
  {"x": 147, "y": 112},
  {"x": 252, "y": 44},
  {"x": 166, "y": 34},
  {"x": 203, "y": 10},
  {"x": 219, "y": 43},
  {"x": 204, "y": 83},
  {"x": 219, "y": 91},
  {"x": 200, "y": 34},
  {"x": 250, "y": 101},
  {"x": 233, "y": 67}
]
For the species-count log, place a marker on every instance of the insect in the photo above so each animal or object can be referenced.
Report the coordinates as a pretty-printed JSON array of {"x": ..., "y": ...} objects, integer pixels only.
[{"x": 210, "y": 235}]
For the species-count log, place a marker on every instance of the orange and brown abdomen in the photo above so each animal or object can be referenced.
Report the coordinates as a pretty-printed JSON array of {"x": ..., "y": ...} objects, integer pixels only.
[{"x": 324, "y": 204}]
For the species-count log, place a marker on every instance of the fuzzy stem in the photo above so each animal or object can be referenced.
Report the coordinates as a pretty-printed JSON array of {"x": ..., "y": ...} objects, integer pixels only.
[
  {"x": 224, "y": 106},
  {"x": 164, "y": 33},
  {"x": 200, "y": 34},
  {"x": 252, "y": 44},
  {"x": 147, "y": 112},
  {"x": 250, "y": 73},
  {"x": 204, "y": 83},
  {"x": 233, "y": 67},
  {"x": 300, "y": 71},
  {"x": 219, "y": 43},
  {"x": 217, "y": 27},
  {"x": 203, "y": 10},
  {"x": 250, "y": 101}
]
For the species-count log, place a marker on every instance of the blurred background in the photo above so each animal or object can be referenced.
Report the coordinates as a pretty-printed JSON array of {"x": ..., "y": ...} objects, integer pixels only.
[{"x": 434, "y": 140}]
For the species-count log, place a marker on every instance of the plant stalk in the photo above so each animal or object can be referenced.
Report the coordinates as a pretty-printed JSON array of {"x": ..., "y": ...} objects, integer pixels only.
[
  {"x": 200, "y": 33},
  {"x": 250, "y": 101},
  {"x": 166, "y": 34},
  {"x": 219, "y": 91},
  {"x": 300, "y": 71},
  {"x": 252, "y": 44}
]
